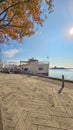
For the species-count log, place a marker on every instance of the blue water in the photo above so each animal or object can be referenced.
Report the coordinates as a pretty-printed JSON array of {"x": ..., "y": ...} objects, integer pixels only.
[{"x": 57, "y": 73}]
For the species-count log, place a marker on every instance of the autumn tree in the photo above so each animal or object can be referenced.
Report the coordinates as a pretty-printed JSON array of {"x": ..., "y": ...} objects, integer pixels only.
[{"x": 19, "y": 18}]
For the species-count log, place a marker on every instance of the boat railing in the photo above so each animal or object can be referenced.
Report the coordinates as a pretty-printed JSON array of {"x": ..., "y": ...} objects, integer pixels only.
[{"x": 43, "y": 62}]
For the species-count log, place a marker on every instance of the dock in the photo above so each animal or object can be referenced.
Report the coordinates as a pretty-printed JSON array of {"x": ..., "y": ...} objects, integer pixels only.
[{"x": 33, "y": 103}]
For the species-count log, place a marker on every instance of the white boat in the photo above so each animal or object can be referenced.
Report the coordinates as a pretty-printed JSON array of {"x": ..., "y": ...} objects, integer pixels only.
[{"x": 34, "y": 67}]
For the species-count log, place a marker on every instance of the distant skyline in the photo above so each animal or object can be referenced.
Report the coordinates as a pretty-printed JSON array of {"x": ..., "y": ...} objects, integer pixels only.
[{"x": 54, "y": 39}]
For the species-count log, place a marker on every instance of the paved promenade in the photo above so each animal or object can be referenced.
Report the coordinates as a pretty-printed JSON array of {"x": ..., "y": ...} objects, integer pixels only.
[{"x": 33, "y": 103}]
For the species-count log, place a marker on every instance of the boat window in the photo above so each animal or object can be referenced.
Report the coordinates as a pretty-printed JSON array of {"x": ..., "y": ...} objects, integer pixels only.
[
  {"x": 25, "y": 69},
  {"x": 40, "y": 68}
]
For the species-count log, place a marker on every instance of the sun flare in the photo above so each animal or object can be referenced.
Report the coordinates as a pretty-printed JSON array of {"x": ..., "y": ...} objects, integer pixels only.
[{"x": 71, "y": 31}]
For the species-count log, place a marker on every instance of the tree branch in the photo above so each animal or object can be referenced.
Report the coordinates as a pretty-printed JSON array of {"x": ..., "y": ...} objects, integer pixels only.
[
  {"x": 4, "y": 17},
  {"x": 12, "y": 6},
  {"x": 8, "y": 8},
  {"x": 10, "y": 21}
]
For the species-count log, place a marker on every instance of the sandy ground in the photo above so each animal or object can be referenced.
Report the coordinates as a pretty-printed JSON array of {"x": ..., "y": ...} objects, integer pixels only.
[{"x": 33, "y": 103}]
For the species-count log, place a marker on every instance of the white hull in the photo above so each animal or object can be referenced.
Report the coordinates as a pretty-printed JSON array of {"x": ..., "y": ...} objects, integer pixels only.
[{"x": 35, "y": 67}]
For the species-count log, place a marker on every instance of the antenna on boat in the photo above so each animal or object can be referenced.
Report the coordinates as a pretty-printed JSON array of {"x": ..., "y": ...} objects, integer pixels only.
[{"x": 48, "y": 58}]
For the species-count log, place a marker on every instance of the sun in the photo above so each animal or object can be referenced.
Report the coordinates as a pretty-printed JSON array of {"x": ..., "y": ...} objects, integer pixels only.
[{"x": 71, "y": 31}]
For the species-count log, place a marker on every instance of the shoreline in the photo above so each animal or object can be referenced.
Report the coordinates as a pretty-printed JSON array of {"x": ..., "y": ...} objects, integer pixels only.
[
  {"x": 54, "y": 78},
  {"x": 48, "y": 77}
]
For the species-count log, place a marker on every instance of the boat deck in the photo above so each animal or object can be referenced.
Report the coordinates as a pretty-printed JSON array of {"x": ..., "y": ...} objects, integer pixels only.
[{"x": 33, "y": 103}]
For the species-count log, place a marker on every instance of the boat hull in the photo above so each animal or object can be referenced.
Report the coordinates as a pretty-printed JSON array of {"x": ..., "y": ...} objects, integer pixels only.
[{"x": 43, "y": 74}]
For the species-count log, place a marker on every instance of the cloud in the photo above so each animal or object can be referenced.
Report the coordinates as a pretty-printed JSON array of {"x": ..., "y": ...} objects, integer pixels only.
[{"x": 11, "y": 53}]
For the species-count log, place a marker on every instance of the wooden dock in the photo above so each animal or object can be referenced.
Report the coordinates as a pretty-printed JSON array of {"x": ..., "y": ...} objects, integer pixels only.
[{"x": 33, "y": 103}]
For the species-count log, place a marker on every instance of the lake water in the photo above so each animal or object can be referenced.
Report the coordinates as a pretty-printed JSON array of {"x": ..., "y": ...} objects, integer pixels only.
[{"x": 57, "y": 73}]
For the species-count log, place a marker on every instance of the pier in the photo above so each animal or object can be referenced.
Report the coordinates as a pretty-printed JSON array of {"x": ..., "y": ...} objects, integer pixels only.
[{"x": 33, "y": 103}]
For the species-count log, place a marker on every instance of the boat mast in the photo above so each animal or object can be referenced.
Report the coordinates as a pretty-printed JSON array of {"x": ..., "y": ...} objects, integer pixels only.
[{"x": 48, "y": 59}]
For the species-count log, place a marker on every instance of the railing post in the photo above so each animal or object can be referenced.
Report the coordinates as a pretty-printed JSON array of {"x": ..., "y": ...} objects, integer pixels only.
[
  {"x": 62, "y": 85},
  {"x": 62, "y": 81}
]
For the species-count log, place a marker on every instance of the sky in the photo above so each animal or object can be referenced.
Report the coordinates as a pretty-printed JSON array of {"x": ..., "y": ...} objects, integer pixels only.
[{"x": 54, "y": 39}]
